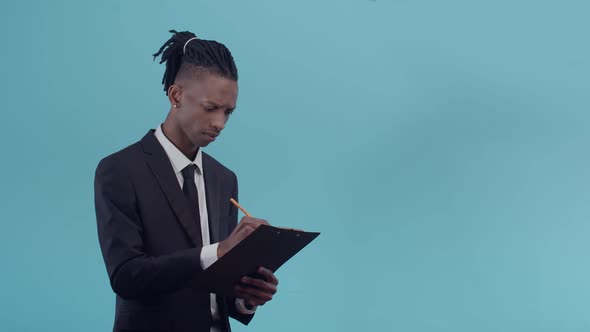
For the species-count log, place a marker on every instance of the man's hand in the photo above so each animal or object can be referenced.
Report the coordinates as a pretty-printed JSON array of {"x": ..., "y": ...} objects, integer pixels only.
[
  {"x": 246, "y": 226},
  {"x": 255, "y": 291}
]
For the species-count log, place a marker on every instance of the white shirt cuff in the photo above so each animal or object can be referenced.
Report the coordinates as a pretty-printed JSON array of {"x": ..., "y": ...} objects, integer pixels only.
[
  {"x": 241, "y": 307},
  {"x": 208, "y": 255}
]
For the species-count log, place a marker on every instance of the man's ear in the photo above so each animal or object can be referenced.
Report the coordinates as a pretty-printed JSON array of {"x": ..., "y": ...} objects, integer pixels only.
[{"x": 174, "y": 95}]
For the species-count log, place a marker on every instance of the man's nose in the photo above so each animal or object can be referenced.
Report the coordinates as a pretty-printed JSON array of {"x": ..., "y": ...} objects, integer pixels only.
[{"x": 218, "y": 122}]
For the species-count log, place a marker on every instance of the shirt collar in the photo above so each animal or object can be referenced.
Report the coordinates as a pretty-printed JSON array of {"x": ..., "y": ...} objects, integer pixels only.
[{"x": 178, "y": 160}]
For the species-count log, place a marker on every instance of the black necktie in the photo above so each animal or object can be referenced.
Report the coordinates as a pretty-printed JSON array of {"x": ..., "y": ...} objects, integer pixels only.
[{"x": 190, "y": 192}]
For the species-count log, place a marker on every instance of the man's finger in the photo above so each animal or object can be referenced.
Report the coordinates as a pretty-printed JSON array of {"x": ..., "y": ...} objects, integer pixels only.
[
  {"x": 253, "y": 295},
  {"x": 253, "y": 301},
  {"x": 246, "y": 228},
  {"x": 248, "y": 225},
  {"x": 260, "y": 284},
  {"x": 253, "y": 292},
  {"x": 253, "y": 221},
  {"x": 268, "y": 275}
]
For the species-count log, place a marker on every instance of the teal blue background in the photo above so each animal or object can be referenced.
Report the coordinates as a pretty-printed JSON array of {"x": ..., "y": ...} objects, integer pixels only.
[{"x": 441, "y": 147}]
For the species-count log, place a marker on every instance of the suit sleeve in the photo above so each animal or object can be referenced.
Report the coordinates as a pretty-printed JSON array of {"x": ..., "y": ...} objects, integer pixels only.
[
  {"x": 132, "y": 273},
  {"x": 231, "y": 301}
]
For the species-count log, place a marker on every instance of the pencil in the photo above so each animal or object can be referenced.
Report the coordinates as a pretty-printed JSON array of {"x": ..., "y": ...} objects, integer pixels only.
[{"x": 239, "y": 207}]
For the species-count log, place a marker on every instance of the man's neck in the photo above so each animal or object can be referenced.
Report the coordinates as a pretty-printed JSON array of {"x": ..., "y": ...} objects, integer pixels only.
[{"x": 174, "y": 135}]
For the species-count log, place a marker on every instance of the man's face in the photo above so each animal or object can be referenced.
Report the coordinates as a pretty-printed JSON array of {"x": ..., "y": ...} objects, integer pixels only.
[{"x": 205, "y": 106}]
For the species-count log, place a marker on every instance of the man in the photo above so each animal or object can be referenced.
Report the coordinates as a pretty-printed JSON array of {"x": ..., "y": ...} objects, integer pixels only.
[{"x": 163, "y": 205}]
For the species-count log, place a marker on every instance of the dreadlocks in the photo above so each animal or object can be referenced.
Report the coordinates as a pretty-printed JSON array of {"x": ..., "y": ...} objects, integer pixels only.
[{"x": 198, "y": 54}]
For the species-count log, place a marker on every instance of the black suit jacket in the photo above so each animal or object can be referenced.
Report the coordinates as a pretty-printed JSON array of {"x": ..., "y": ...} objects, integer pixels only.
[{"x": 150, "y": 243}]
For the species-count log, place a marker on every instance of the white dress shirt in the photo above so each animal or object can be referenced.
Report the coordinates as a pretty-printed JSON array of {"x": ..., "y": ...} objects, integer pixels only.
[{"x": 209, "y": 251}]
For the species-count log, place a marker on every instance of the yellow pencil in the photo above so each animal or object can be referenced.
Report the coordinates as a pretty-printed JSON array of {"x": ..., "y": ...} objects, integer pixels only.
[{"x": 239, "y": 207}]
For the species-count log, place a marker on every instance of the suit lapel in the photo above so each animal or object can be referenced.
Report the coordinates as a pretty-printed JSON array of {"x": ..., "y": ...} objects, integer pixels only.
[
  {"x": 158, "y": 161},
  {"x": 212, "y": 190}
]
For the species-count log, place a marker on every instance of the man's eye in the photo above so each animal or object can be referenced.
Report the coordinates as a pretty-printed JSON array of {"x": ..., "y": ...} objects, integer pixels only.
[
  {"x": 209, "y": 109},
  {"x": 229, "y": 112}
]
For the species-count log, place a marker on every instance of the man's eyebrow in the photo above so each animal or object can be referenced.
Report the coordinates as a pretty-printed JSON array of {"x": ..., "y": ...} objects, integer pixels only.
[
  {"x": 217, "y": 105},
  {"x": 207, "y": 101}
]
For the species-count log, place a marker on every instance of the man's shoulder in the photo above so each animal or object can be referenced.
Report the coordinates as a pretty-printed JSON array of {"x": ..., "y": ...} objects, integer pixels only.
[
  {"x": 122, "y": 159},
  {"x": 213, "y": 164}
]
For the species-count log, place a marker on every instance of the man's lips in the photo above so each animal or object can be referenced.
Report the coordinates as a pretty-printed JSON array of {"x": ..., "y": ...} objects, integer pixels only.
[{"x": 212, "y": 135}]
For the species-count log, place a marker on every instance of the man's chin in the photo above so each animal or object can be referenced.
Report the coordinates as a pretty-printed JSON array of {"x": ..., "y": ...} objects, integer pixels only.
[
  {"x": 206, "y": 140},
  {"x": 200, "y": 142},
  {"x": 203, "y": 144}
]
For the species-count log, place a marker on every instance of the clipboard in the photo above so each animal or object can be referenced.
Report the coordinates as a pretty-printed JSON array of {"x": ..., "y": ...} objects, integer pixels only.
[{"x": 267, "y": 246}]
